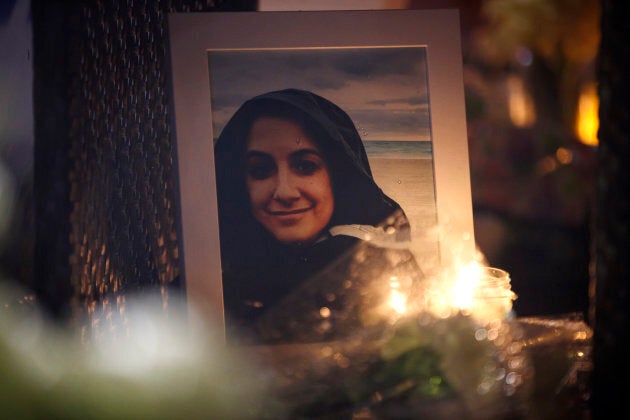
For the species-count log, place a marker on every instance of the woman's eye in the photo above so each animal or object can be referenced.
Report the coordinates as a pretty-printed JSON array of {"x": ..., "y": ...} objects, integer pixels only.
[
  {"x": 260, "y": 168},
  {"x": 306, "y": 167}
]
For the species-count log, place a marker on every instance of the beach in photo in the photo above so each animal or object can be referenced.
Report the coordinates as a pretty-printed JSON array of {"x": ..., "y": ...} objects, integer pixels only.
[{"x": 410, "y": 183}]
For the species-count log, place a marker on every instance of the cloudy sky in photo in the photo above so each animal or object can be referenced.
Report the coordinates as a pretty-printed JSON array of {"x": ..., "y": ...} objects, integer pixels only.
[{"x": 384, "y": 90}]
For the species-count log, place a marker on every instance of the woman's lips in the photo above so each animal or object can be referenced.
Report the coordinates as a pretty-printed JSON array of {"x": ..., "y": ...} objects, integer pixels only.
[
  {"x": 288, "y": 217},
  {"x": 288, "y": 212}
]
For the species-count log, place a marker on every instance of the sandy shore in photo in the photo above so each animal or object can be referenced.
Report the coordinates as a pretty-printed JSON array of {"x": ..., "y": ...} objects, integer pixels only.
[{"x": 410, "y": 183}]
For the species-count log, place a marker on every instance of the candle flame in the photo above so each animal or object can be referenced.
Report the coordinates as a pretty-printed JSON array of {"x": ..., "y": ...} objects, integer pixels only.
[
  {"x": 398, "y": 301},
  {"x": 466, "y": 282},
  {"x": 472, "y": 289}
]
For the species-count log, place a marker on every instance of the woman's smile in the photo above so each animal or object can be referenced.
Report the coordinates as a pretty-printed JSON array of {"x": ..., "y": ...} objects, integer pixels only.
[
  {"x": 288, "y": 212},
  {"x": 289, "y": 217}
]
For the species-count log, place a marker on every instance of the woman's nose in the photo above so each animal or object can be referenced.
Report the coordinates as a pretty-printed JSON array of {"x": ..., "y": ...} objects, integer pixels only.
[{"x": 286, "y": 187}]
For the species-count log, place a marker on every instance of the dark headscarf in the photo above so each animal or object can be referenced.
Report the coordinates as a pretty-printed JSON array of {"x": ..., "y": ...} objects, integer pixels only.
[{"x": 254, "y": 264}]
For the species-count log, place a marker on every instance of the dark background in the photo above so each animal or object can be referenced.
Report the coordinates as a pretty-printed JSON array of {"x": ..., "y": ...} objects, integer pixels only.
[
  {"x": 94, "y": 177},
  {"x": 86, "y": 156}
]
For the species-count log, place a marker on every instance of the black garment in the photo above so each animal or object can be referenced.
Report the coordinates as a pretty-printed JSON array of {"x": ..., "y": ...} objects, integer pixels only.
[{"x": 258, "y": 271}]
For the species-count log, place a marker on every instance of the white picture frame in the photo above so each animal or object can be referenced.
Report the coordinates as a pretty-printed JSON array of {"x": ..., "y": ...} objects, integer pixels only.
[{"x": 194, "y": 37}]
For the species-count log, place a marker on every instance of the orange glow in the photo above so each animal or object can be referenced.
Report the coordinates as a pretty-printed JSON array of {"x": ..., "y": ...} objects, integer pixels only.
[
  {"x": 481, "y": 292},
  {"x": 521, "y": 106},
  {"x": 467, "y": 280},
  {"x": 587, "y": 122},
  {"x": 546, "y": 165},
  {"x": 397, "y": 299},
  {"x": 564, "y": 155}
]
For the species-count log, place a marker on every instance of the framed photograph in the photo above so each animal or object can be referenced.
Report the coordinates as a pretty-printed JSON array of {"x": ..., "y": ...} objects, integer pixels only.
[{"x": 397, "y": 74}]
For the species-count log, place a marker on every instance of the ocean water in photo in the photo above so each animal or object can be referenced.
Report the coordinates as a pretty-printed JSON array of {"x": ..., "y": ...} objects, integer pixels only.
[{"x": 399, "y": 149}]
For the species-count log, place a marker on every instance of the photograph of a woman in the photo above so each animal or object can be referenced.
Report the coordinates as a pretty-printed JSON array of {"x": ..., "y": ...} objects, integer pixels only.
[
  {"x": 295, "y": 195},
  {"x": 316, "y": 151},
  {"x": 307, "y": 162}
]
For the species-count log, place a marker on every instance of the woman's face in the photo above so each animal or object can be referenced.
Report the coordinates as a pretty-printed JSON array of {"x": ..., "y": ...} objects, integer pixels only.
[{"x": 288, "y": 181}]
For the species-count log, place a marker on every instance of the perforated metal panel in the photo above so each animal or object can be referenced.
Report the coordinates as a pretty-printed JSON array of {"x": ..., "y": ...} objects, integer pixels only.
[{"x": 122, "y": 175}]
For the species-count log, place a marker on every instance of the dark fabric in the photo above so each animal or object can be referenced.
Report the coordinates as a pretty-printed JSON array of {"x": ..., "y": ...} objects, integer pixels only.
[
  {"x": 257, "y": 270},
  {"x": 347, "y": 300}
]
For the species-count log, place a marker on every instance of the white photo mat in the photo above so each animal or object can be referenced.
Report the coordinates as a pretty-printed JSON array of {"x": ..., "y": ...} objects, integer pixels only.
[{"x": 195, "y": 37}]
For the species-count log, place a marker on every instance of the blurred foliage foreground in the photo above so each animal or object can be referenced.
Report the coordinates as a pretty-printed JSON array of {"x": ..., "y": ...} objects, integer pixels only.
[
  {"x": 156, "y": 365},
  {"x": 165, "y": 364}
]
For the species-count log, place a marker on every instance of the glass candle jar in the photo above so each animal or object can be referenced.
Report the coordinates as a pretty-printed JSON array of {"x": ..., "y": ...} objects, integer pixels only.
[{"x": 493, "y": 295}]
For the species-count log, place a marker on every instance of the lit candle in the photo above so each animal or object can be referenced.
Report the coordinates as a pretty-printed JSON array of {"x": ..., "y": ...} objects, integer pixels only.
[
  {"x": 493, "y": 295},
  {"x": 484, "y": 293}
]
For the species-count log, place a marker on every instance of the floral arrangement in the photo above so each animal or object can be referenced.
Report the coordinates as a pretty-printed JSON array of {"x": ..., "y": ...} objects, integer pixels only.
[
  {"x": 419, "y": 365},
  {"x": 404, "y": 341}
]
